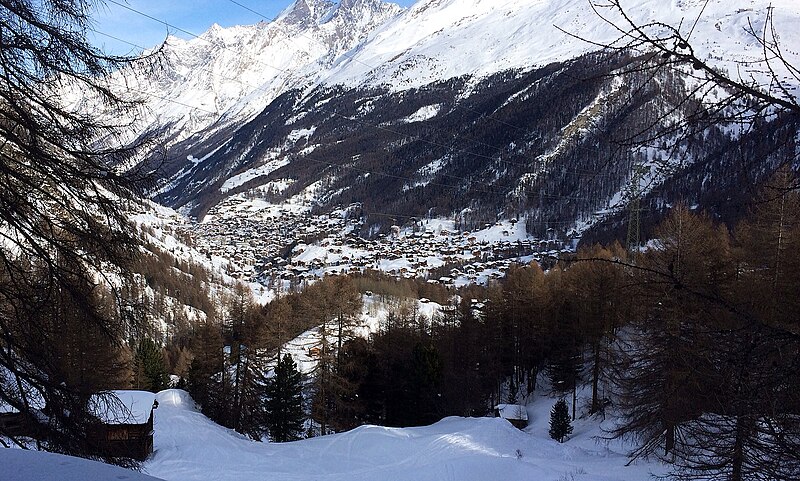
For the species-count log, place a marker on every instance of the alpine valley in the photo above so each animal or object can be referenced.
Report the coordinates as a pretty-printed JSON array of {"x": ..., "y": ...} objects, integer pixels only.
[
  {"x": 360, "y": 241},
  {"x": 472, "y": 110}
]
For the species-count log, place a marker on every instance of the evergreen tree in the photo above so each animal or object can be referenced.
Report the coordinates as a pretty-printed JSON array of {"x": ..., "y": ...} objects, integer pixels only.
[
  {"x": 206, "y": 379},
  {"x": 560, "y": 425},
  {"x": 150, "y": 374},
  {"x": 285, "y": 402}
]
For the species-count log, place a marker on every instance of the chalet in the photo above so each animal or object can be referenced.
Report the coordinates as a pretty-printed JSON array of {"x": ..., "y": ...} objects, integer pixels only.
[
  {"x": 126, "y": 423},
  {"x": 516, "y": 414}
]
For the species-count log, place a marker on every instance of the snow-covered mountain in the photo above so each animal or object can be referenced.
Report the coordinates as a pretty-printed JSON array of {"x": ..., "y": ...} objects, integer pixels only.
[
  {"x": 362, "y": 101},
  {"x": 227, "y": 75},
  {"x": 439, "y": 39}
]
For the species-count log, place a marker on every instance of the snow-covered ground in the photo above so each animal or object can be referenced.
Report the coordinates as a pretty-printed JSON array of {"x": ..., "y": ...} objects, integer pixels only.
[
  {"x": 439, "y": 39},
  {"x": 29, "y": 465},
  {"x": 189, "y": 447}
]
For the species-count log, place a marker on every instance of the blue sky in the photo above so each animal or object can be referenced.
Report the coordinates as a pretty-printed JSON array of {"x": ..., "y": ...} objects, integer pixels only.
[{"x": 191, "y": 15}]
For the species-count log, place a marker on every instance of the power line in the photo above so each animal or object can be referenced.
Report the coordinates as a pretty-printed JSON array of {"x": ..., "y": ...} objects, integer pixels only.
[
  {"x": 187, "y": 32},
  {"x": 357, "y": 60}
]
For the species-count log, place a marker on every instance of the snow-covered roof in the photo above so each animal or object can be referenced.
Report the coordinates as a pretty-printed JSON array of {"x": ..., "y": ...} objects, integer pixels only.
[
  {"x": 122, "y": 406},
  {"x": 512, "y": 411}
]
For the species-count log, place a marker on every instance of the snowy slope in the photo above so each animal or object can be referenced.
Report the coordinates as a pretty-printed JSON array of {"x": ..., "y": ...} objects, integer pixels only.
[
  {"x": 227, "y": 75},
  {"x": 28, "y": 465},
  {"x": 188, "y": 447},
  {"x": 441, "y": 39}
]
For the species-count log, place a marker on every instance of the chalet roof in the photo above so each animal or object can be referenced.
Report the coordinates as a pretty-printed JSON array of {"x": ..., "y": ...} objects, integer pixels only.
[
  {"x": 129, "y": 407},
  {"x": 512, "y": 411}
]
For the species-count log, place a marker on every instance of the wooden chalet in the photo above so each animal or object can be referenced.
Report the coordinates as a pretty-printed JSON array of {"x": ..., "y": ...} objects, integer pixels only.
[
  {"x": 126, "y": 423},
  {"x": 16, "y": 423}
]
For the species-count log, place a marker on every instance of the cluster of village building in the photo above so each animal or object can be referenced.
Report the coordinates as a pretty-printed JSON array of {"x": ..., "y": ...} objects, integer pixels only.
[{"x": 280, "y": 244}]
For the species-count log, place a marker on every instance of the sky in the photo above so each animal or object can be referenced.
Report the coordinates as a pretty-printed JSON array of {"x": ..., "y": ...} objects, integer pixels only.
[{"x": 115, "y": 24}]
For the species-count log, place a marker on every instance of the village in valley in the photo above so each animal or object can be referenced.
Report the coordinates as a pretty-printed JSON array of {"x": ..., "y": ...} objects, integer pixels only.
[{"x": 285, "y": 245}]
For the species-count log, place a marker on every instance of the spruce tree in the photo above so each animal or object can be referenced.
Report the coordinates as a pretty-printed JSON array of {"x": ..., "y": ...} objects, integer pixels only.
[
  {"x": 150, "y": 373},
  {"x": 560, "y": 425},
  {"x": 285, "y": 402}
]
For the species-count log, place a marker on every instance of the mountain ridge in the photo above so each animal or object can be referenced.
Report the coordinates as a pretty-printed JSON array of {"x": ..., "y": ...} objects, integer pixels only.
[{"x": 418, "y": 67}]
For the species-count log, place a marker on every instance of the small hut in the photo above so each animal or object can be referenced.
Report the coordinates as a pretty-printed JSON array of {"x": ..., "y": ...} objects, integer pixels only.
[
  {"x": 516, "y": 414},
  {"x": 126, "y": 423}
]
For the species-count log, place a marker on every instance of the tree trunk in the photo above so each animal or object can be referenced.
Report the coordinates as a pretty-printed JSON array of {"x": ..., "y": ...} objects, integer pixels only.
[
  {"x": 669, "y": 443},
  {"x": 596, "y": 379}
]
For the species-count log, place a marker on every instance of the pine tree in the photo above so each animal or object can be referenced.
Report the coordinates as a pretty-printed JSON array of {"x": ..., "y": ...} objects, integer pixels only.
[
  {"x": 150, "y": 374},
  {"x": 560, "y": 425},
  {"x": 285, "y": 402}
]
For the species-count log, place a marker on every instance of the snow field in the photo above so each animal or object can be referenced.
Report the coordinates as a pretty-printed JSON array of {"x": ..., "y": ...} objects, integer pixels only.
[{"x": 189, "y": 447}]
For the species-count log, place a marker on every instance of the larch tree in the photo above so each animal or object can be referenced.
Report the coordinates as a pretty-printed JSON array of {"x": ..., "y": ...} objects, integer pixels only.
[
  {"x": 665, "y": 370},
  {"x": 334, "y": 304},
  {"x": 63, "y": 198},
  {"x": 596, "y": 281},
  {"x": 729, "y": 336}
]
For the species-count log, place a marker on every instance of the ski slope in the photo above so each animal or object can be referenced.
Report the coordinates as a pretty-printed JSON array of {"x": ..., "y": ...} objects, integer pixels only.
[{"x": 189, "y": 447}]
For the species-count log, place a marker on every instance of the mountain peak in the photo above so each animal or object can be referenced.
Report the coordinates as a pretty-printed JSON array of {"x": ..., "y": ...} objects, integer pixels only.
[{"x": 305, "y": 13}]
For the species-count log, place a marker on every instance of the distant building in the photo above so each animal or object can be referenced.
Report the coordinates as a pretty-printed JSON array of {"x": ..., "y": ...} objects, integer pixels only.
[
  {"x": 516, "y": 414},
  {"x": 13, "y": 422}
]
